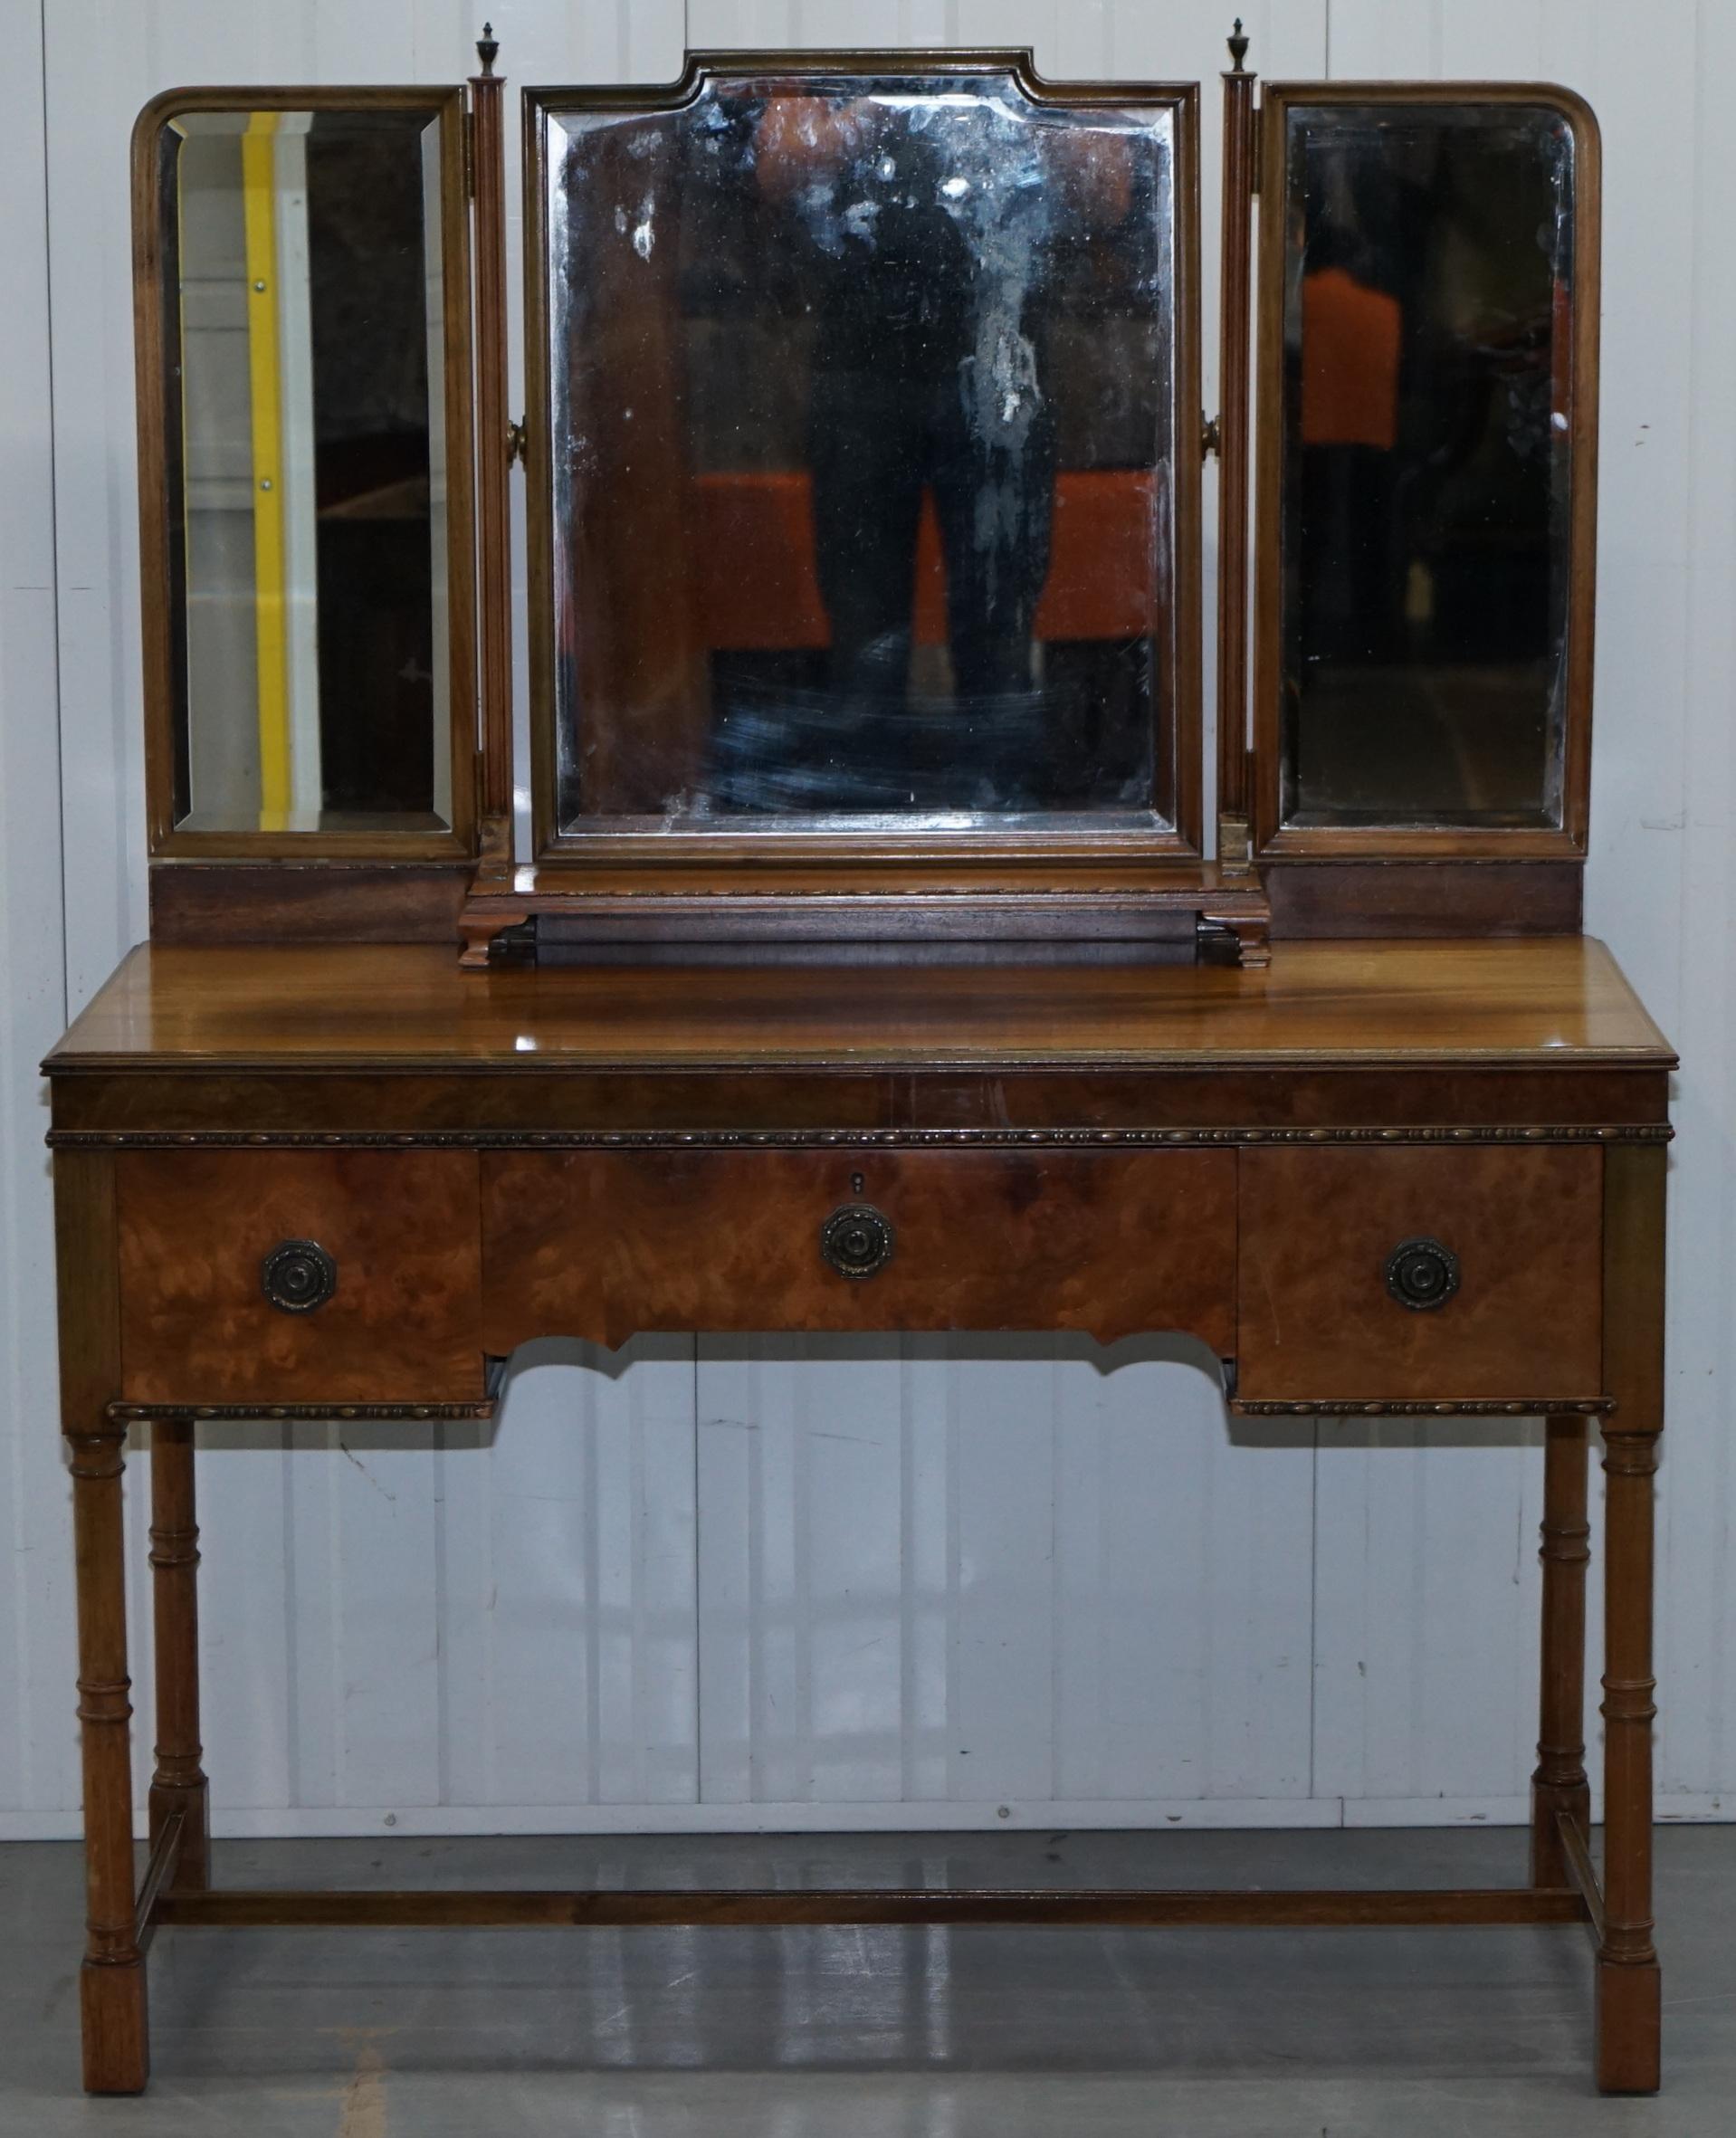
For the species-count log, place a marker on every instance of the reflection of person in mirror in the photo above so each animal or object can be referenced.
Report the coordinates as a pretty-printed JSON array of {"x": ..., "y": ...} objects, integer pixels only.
[
  {"x": 928, "y": 223},
  {"x": 1349, "y": 357}
]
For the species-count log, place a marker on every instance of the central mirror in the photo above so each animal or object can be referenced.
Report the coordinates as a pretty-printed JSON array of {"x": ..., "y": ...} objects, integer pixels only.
[{"x": 865, "y": 475}]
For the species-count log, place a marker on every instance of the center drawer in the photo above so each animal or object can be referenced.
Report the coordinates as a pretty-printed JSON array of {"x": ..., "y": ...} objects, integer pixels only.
[{"x": 606, "y": 1244}]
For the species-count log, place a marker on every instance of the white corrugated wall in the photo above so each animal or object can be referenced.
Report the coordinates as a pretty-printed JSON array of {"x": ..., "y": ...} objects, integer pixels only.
[{"x": 729, "y": 1583}]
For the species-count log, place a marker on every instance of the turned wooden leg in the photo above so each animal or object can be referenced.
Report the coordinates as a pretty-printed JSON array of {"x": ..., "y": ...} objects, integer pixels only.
[
  {"x": 111, "y": 1982},
  {"x": 1629, "y": 1984},
  {"x": 178, "y": 1783},
  {"x": 1559, "y": 1785},
  {"x": 1628, "y": 1993}
]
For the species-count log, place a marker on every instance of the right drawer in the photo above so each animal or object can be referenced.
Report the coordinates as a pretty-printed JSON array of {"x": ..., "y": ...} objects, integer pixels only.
[{"x": 1421, "y": 1274}]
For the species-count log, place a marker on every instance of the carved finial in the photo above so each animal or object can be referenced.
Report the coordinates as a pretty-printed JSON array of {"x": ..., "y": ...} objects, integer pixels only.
[
  {"x": 487, "y": 47},
  {"x": 1238, "y": 47}
]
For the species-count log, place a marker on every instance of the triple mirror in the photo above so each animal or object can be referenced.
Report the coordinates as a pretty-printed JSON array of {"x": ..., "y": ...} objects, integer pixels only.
[{"x": 863, "y": 442}]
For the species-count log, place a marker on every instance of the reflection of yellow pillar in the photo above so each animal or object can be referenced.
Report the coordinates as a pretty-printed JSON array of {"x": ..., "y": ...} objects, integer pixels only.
[{"x": 259, "y": 192}]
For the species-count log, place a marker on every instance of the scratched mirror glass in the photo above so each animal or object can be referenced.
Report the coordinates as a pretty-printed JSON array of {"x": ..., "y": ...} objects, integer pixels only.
[
  {"x": 303, "y": 408},
  {"x": 862, "y": 401},
  {"x": 1428, "y": 425}
]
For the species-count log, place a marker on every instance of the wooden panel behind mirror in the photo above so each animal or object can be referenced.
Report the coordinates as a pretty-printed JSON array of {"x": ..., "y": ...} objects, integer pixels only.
[
  {"x": 1425, "y": 489},
  {"x": 302, "y": 312},
  {"x": 863, "y": 464}
]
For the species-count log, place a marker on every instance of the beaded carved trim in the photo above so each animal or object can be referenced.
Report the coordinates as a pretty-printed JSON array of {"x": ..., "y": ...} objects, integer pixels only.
[
  {"x": 1527, "y": 1407},
  {"x": 816, "y": 1139},
  {"x": 144, "y": 1413}
]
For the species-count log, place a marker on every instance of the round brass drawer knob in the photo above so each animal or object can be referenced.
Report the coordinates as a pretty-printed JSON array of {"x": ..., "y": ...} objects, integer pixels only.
[
  {"x": 1422, "y": 1273},
  {"x": 856, "y": 1240},
  {"x": 298, "y": 1275}
]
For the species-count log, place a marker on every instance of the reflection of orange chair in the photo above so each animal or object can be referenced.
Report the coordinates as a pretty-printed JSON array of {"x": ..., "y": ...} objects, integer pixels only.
[
  {"x": 1349, "y": 362},
  {"x": 758, "y": 587}
]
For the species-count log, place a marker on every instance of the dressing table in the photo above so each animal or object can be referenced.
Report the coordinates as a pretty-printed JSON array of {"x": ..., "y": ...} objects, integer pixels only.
[{"x": 867, "y": 965}]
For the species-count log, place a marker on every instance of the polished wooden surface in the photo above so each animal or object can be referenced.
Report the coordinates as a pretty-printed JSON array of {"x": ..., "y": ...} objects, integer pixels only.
[
  {"x": 195, "y": 1326},
  {"x": 607, "y": 1243},
  {"x": 1317, "y": 1319},
  {"x": 1553, "y": 1001}
]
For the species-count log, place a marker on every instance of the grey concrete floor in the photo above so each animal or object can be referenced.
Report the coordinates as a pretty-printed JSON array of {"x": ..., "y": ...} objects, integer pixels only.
[{"x": 874, "y": 2033}]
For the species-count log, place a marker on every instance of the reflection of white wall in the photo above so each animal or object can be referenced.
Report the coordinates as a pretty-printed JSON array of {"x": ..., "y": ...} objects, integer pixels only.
[
  {"x": 222, "y": 470},
  {"x": 1337, "y": 1626},
  {"x": 223, "y": 688},
  {"x": 299, "y": 486},
  {"x": 233, "y": 456}
]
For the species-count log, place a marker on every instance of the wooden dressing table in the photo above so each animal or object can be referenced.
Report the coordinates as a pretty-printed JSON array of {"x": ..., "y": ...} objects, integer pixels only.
[
  {"x": 1238, "y": 1155},
  {"x": 869, "y": 971}
]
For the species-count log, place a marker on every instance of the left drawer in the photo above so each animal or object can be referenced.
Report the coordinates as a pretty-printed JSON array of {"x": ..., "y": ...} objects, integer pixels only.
[{"x": 385, "y": 1310}]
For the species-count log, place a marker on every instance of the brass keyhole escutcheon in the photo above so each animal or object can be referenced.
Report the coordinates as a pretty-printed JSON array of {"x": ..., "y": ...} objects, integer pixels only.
[
  {"x": 1422, "y": 1273},
  {"x": 857, "y": 1240},
  {"x": 298, "y": 1275}
]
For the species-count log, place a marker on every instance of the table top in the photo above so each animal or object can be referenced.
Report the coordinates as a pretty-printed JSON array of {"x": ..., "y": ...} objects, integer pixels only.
[{"x": 1558, "y": 999}]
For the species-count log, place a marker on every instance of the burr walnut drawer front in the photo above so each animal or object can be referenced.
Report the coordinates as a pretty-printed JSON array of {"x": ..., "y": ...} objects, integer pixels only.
[
  {"x": 1408, "y": 1273},
  {"x": 299, "y": 1276},
  {"x": 604, "y": 1244}
]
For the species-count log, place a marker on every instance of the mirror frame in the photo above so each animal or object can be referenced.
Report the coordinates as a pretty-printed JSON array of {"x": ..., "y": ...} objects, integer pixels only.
[
  {"x": 153, "y": 318},
  {"x": 971, "y": 853},
  {"x": 1272, "y": 840}
]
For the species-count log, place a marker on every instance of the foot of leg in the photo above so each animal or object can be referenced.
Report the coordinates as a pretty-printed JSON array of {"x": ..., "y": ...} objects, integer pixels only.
[
  {"x": 1629, "y": 2027},
  {"x": 117, "y": 2037}
]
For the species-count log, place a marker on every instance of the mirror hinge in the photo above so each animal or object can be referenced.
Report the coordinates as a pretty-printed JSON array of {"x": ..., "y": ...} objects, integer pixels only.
[
  {"x": 1211, "y": 435},
  {"x": 470, "y": 156},
  {"x": 515, "y": 441}
]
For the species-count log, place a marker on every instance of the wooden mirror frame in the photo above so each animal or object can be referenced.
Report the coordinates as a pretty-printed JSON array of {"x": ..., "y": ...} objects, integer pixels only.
[
  {"x": 1273, "y": 842},
  {"x": 153, "y": 329},
  {"x": 957, "y": 861}
]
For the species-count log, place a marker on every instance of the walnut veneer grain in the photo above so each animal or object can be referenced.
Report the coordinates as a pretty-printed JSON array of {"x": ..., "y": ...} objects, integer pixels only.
[
  {"x": 195, "y": 1326},
  {"x": 607, "y": 1243},
  {"x": 1317, "y": 1318}
]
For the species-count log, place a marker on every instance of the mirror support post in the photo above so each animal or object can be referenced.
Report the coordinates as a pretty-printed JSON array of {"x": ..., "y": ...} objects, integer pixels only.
[
  {"x": 493, "y": 465},
  {"x": 1235, "y": 322}
]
